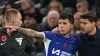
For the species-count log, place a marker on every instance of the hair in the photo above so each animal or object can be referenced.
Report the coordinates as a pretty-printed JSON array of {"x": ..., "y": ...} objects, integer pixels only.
[
  {"x": 32, "y": 15},
  {"x": 83, "y": 3},
  {"x": 90, "y": 15},
  {"x": 68, "y": 16},
  {"x": 78, "y": 14},
  {"x": 59, "y": 4},
  {"x": 11, "y": 14},
  {"x": 53, "y": 12}
]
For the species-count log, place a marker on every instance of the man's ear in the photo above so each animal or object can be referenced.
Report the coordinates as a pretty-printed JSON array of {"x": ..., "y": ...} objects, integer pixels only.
[
  {"x": 72, "y": 25},
  {"x": 94, "y": 24}
]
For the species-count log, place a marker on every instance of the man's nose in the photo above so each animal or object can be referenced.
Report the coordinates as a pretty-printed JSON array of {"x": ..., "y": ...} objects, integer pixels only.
[
  {"x": 61, "y": 26},
  {"x": 52, "y": 20},
  {"x": 81, "y": 25}
]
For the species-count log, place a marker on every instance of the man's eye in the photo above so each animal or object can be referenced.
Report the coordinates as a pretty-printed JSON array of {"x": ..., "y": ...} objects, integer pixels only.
[
  {"x": 84, "y": 23},
  {"x": 64, "y": 23}
]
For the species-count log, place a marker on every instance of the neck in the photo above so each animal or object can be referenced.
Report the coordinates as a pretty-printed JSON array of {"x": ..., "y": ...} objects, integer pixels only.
[
  {"x": 93, "y": 31},
  {"x": 67, "y": 35}
]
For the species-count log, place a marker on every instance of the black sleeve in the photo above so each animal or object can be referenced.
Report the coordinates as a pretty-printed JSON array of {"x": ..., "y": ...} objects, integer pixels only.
[{"x": 30, "y": 48}]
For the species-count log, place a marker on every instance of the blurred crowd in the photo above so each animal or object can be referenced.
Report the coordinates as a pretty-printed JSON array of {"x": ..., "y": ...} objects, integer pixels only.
[{"x": 43, "y": 15}]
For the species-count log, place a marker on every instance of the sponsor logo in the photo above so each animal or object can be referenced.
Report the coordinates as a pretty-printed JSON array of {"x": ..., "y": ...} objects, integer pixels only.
[
  {"x": 19, "y": 40},
  {"x": 60, "y": 53}
]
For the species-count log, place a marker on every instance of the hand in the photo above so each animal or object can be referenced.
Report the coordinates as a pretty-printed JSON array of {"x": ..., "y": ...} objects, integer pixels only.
[{"x": 56, "y": 30}]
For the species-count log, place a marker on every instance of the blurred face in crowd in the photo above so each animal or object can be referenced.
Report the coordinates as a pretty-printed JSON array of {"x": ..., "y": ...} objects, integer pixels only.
[
  {"x": 81, "y": 7},
  {"x": 8, "y": 6},
  {"x": 64, "y": 26},
  {"x": 54, "y": 6},
  {"x": 26, "y": 5},
  {"x": 52, "y": 20},
  {"x": 86, "y": 25},
  {"x": 29, "y": 21},
  {"x": 77, "y": 20}
]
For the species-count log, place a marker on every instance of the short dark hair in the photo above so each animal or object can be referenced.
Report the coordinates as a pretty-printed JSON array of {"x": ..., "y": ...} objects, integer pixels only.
[
  {"x": 89, "y": 15},
  {"x": 68, "y": 16},
  {"x": 32, "y": 15}
]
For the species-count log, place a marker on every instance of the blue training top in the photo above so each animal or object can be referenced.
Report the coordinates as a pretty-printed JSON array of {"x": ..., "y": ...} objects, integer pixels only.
[{"x": 58, "y": 45}]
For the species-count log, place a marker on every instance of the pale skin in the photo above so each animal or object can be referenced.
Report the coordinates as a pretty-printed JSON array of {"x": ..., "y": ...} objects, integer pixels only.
[
  {"x": 63, "y": 24},
  {"x": 12, "y": 20},
  {"x": 28, "y": 32}
]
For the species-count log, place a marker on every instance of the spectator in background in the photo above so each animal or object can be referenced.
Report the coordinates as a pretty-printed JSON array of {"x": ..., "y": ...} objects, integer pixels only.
[
  {"x": 82, "y": 6},
  {"x": 30, "y": 21},
  {"x": 52, "y": 20},
  {"x": 77, "y": 22},
  {"x": 8, "y": 6},
  {"x": 27, "y": 7},
  {"x": 55, "y": 5}
]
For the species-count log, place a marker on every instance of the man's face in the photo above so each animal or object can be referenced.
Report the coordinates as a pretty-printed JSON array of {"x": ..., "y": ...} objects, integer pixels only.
[
  {"x": 28, "y": 21},
  {"x": 64, "y": 26},
  {"x": 8, "y": 6},
  {"x": 26, "y": 5},
  {"x": 77, "y": 21},
  {"x": 17, "y": 21},
  {"x": 86, "y": 25},
  {"x": 54, "y": 6},
  {"x": 52, "y": 20},
  {"x": 81, "y": 8}
]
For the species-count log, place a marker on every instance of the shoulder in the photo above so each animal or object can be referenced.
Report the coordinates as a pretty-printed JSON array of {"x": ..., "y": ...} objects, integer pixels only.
[
  {"x": 49, "y": 33},
  {"x": 99, "y": 30},
  {"x": 77, "y": 36}
]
